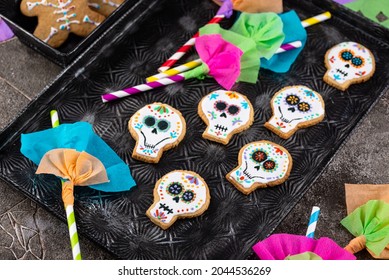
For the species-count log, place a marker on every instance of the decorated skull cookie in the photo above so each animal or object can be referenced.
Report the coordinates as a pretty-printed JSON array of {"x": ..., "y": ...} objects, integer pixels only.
[
  {"x": 156, "y": 127},
  {"x": 178, "y": 194},
  {"x": 225, "y": 113},
  {"x": 293, "y": 108},
  {"x": 348, "y": 63},
  {"x": 261, "y": 164}
]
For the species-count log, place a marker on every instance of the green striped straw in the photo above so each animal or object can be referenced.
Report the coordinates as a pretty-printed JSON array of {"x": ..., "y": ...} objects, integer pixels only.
[{"x": 69, "y": 208}]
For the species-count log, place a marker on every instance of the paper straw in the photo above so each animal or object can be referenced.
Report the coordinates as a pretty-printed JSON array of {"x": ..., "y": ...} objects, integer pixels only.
[
  {"x": 316, "y": 19},
  {"x": 289, "y": 46},
  {"x": 108, "y": 97},
  {"x": 69, "y": 208},
  {"x": 313, "y": 221},
  {"x": 186, "y": 47},
  {"x": 194, "y": 63},
  {"x": 174, "y": 71}
]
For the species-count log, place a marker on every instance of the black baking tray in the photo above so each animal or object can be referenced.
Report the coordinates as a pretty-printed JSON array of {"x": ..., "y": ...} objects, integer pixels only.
[
  {"x": 234, "y": 222},
  {"x": 74, "y": 46}
]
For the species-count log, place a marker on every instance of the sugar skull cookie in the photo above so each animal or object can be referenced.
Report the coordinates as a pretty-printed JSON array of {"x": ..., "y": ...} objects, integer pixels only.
[
  {"x": 178, "y": 194},
  {"x": 293, "y": 108},
  {"x": 156, "y": 128},
  {"x": 348, "y": 63},
  {"x": 226, "y": 113},
  {"x": 58, "y": 18},
  {"x": 261, "y": 164}
]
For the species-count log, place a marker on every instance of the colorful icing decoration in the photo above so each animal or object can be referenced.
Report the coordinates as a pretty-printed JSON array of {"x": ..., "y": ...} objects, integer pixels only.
[
  {"x": 57, "y": 18},
  {"x": 293, "y": 108},
  {"x": 226, "y": 113},
  {"x": 261, "y": 164},
  {"x": 348, "y": 63},
  {"x": 105, "y": 7},
  {"x": 178, "y": 194},
  {"x": 156, "y": 128}
]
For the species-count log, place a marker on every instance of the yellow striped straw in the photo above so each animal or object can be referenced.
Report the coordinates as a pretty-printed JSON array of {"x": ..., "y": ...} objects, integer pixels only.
[
  {"x": 316, "y": 19},
  {"x": 174, "y": 71}
]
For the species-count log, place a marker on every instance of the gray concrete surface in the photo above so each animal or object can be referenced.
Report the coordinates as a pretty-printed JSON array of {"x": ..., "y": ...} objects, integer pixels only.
[{"x": 29, "y": 232}]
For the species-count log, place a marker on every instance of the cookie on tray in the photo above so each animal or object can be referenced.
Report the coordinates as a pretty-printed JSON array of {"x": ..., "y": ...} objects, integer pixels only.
[
  {"x": 293, "y": 108},
  {"x": 58, "y": 18},
  {"x": 156, "y": 128},
  {"x": 261, "y": 164},
  {"x": 179, "y": 194},
  {"x": 105, "y": 7},
  {"x": 226, "y": 113},
  {"x": 348, "y": 63}
]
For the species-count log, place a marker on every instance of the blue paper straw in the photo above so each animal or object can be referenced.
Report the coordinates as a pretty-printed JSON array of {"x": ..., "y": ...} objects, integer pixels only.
[{"x": 313, "y": 221}]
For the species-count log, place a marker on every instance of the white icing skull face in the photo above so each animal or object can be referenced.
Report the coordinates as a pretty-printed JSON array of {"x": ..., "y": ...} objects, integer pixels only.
[
  {"x": 178, "y": 194},
  {"x": 295, "y": 107},
  {"x": 226, "y": 113},
  {"x": 261, "y": 164},
  {"x": 348, "y": 63},
  {"x": 156, "y": 127}
]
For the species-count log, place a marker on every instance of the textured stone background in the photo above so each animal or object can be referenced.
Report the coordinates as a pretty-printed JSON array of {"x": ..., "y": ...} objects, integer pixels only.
[{"x": 28, "y": 231}]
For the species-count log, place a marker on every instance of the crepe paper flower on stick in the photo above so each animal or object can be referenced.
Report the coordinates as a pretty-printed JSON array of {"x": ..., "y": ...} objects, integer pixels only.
[
  {"x": 81, "y": 137},
  {"x": 223, "y": 60},
  {"x": 255, "y": 6},
  {"x": 297, "y": 247},
  {"x": 284, "y": 56},
  {"x": 288, "y": 246},
  {"x": 74, "y": 153},
  {"x": 225, "y": 11},
  {"x": 369, "y": 224}
]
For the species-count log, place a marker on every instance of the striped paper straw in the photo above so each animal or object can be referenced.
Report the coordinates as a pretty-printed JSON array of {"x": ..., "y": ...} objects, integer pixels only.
[
  {"x": 313, "y": 221},
  {"x": 316, "y": 19},
  {"x": 193, "y": 64},
  {"x": 186, "y": 47},
  {"x": 174, "y": 71},
  {"x": 108, "y": 97},
  {"x": 69, "y": 208}
]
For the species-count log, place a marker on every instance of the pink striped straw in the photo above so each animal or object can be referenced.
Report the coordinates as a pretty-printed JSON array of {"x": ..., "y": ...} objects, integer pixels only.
[
  {"x": 186, "y": 47},
  {"x": 108, "y": 97}
]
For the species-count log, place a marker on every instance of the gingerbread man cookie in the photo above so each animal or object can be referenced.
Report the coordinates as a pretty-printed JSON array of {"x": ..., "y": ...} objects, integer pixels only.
[
  {"x": 178, "y": 194},
  {"x": 348, "y": 63},
  {"x": 105, "y": 7},
  {"x": 156, "y": 128},
  {"x": 58, "y": 18},
  {"x": 261, "y": 164}
]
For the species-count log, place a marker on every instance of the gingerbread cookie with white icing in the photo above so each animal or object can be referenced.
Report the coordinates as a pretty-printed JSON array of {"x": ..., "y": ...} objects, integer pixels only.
[
  {"x": 348, "y": 63},
  {"x": 156, "y": 128},
  {"x": 179, "y": 194},
  {"x": 261, "y": 164},
  {"x": 58, "y": 18},
  {"x": 105, "y": 7},
  {"x": 293, "y": 108},
  {"x": 226, "y": 113}
]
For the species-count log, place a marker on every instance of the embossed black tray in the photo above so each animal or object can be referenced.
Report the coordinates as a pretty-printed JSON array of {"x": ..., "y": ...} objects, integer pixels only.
[
  {"x": 23, "y": 27},
  {"x": 233, "y": 221}
]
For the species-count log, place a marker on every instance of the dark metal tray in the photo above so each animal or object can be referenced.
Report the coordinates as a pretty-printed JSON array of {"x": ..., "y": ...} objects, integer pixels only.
[
  {"x": 23, "y": 27},
  {"x": 233, "y": 221}
]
